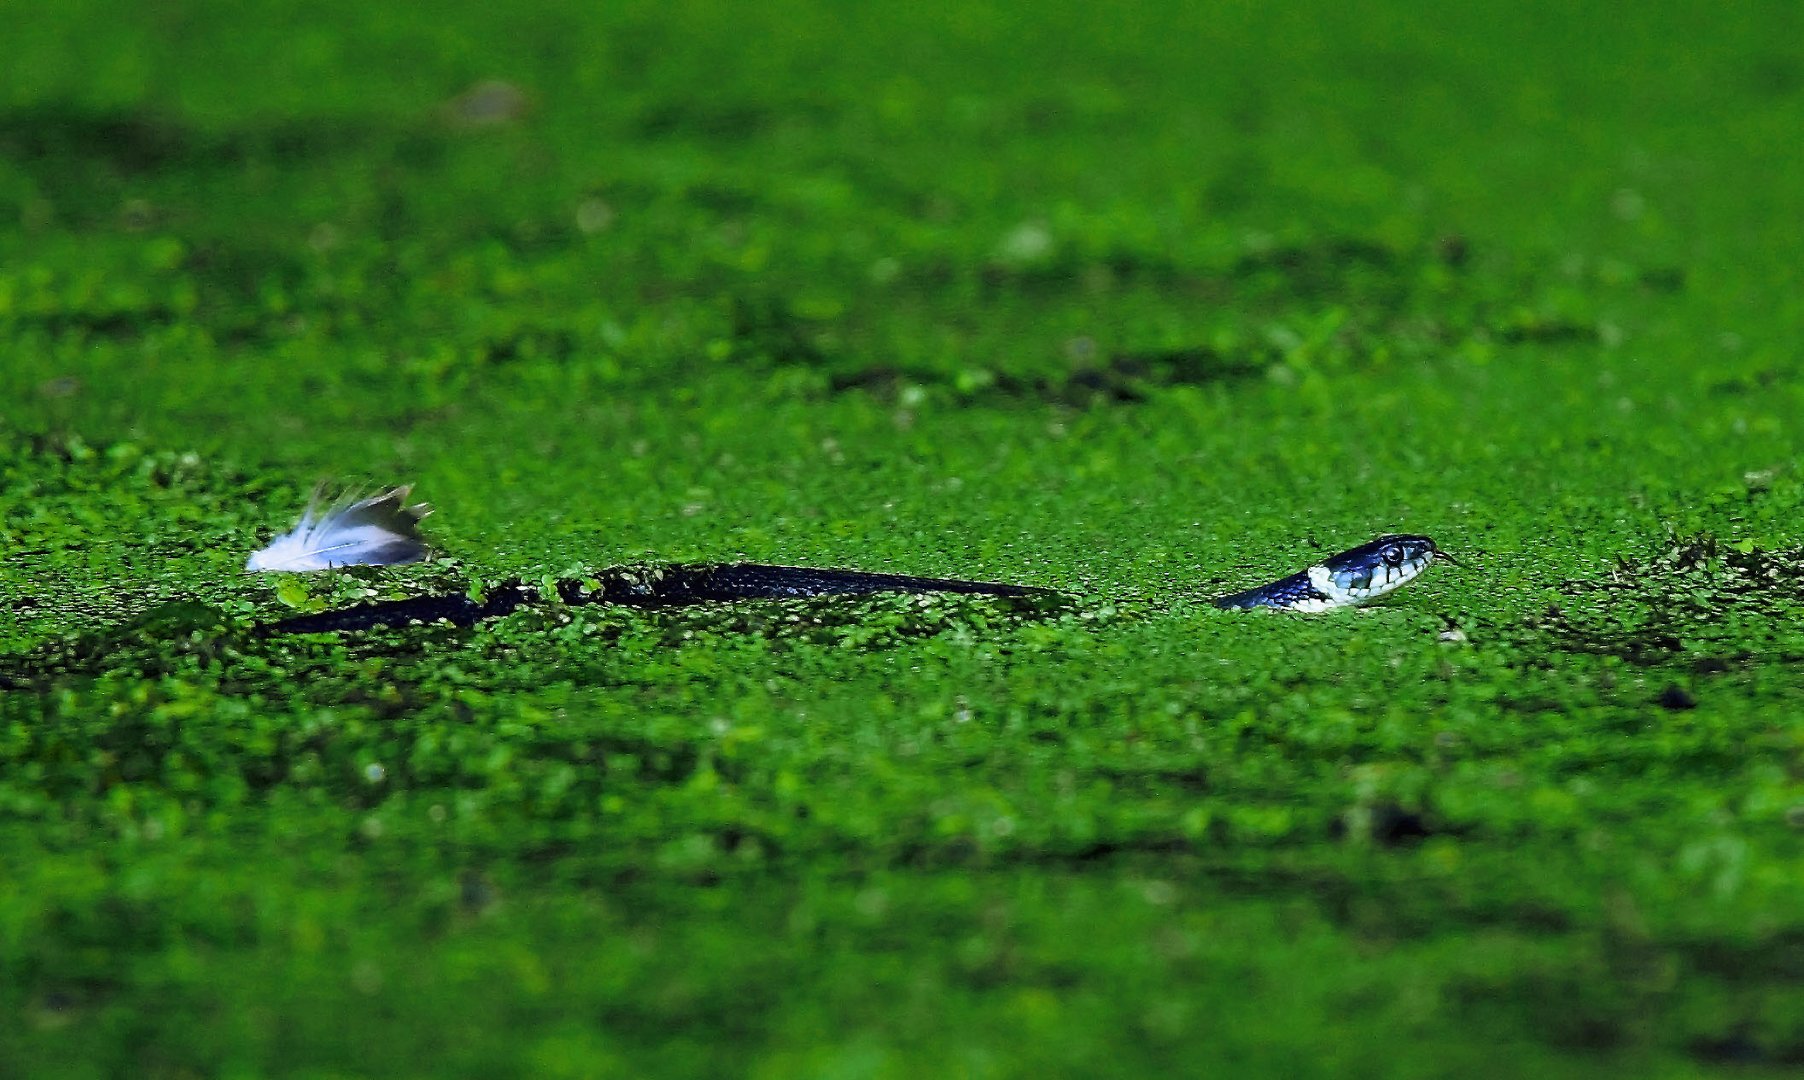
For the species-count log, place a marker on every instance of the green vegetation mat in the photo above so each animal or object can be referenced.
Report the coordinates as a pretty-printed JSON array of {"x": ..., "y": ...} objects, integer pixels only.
[{"x": 1141, "y": 303}]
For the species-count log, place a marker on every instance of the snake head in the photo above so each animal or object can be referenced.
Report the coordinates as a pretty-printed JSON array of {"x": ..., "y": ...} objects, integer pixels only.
[{"x": 1373, "y": 569}]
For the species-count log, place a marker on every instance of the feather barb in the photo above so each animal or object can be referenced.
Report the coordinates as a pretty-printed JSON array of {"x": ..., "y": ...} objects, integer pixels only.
[{"x": 381, "y": 530}]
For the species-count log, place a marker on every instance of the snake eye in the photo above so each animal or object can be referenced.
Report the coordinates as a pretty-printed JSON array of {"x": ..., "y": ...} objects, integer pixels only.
[{"x": 1392, "y": 555}]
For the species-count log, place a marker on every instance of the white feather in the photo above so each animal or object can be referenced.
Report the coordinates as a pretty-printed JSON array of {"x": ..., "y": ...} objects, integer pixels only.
[{"x": 381, "y": 530}]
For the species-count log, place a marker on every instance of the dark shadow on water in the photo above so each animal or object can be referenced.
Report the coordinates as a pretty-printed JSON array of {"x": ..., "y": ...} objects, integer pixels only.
[
  {"x": 1691, "y": 609},
  {"x": 139, "y": 142}
]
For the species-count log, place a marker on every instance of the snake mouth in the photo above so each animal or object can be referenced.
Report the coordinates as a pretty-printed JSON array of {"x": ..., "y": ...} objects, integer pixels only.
[{"x": 1442, "y": 556}]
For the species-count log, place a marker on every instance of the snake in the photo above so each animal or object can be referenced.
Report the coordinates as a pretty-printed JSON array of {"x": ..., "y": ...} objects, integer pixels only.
[{"x": 1349, "y": 579}]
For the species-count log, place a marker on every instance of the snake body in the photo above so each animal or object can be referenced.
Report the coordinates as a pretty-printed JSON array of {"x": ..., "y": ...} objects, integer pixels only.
[{"x": 1353, "y": 577}]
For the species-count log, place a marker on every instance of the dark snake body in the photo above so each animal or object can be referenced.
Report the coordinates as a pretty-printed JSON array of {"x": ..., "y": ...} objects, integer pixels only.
[{"x": 664, "y": 586}]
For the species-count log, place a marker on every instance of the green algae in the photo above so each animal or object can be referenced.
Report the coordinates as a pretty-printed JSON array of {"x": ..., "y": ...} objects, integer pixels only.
[{"x": 1140, "y": 309}]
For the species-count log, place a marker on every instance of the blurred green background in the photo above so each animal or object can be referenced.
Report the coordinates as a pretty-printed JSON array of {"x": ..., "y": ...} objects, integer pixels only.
[{"x": 1145, "y": 303}]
